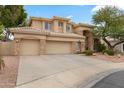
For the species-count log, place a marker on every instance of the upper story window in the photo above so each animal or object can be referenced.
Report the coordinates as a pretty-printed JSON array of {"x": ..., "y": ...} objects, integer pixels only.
[
  {"x": 60, "y": 24},
  {"x": 68, "y": 28},
  {"x": 48, "y": 26}
]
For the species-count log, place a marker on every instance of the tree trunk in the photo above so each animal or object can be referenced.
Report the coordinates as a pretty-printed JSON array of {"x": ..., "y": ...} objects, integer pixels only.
[{"x": 108, "y": 43}]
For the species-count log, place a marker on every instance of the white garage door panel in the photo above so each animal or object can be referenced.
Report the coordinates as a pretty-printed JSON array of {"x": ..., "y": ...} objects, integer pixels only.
[
  {"x": 58, "y": 47},
  {"x": 29, "y": 47}
]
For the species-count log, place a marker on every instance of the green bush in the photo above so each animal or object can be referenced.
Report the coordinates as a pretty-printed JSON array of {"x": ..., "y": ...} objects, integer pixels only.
[
  {"x": 2, "y": 37},
  {"x": 101, "y": 47},
  {"x": 88, "y": 52},
  {"x": 109, "y": 52},
  {"x": 1, "y": 28}
]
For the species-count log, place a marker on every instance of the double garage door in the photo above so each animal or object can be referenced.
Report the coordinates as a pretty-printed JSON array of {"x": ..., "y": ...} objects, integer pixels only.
[
  {"x": 32, "y": 47},
  {"x": 58, "y": 47}
]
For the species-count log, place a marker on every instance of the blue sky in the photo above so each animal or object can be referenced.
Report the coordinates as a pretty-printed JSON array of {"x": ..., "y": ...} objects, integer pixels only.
[{"x": 77, "y": 13}]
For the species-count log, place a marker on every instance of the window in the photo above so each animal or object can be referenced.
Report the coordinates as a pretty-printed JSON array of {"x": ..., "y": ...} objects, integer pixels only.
[
  {"x": 68, "y": 28},
  {"x": 60, "y": 24},
  {"x": 47, "y": 26}
]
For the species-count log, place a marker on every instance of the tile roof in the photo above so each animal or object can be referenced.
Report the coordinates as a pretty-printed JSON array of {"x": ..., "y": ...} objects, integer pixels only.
[
  {"x": 24, "y": 29},
  {"x": 35, "y": 31}
]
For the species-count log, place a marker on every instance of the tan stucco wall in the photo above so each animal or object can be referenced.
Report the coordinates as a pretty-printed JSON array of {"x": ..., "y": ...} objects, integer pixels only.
[
  {"x": 42, "y": 46},
  {"x": 79, "y": 30},
  {"x": 6, "y": 48},
  {"x": 90, "y": 41},
  {"x": 29, "y": 36},
  {"x": 40, "y": 24},
  {"x": 63, "y": 39},
  {"x": 37, "y": 24},
  {"x": 55, "y": 26}
]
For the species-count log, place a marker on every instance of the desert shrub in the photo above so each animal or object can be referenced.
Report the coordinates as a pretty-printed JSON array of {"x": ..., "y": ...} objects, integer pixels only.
[
  {"x": 88, "y": 52},
  {"x": 109, "y": 52},
  {"x": 101, "y": 47}
]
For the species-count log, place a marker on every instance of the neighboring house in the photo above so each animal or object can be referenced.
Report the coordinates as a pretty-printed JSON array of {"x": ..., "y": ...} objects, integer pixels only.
[
  {"x": 119, "y": 48},
  {"x": 52, "y": 36}
]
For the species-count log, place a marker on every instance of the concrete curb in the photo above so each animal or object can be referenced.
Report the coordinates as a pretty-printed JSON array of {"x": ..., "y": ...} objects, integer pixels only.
[{"x": 91, "y": 81}]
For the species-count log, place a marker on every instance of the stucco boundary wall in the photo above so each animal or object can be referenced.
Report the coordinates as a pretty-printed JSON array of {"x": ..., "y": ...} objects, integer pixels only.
[{"x": 7, "y": 48}]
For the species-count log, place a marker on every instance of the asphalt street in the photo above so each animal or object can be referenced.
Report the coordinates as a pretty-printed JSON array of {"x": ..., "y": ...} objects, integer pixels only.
[{"x": 115, "y": 80}]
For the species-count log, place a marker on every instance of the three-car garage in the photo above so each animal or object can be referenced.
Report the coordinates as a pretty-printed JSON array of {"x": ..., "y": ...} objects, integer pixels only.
[{"x": 32, "y": 42}]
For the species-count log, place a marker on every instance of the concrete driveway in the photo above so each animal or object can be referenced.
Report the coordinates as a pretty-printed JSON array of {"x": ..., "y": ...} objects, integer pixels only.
[{"x": 63, "y": 71}]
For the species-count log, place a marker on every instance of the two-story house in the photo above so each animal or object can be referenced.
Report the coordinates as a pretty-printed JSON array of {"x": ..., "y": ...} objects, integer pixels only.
[{"x": 52, "y": 36}]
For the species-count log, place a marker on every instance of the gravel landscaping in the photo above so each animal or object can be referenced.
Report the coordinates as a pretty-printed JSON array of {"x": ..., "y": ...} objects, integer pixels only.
[
  {"x": 115, "y": 59},
  {"x": 8, "y": 76}
]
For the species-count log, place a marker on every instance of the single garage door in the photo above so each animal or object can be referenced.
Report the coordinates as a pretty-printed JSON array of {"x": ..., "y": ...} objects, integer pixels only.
[
  {"x": 29, "y": 47},
  {"x": 53, "y": 47}
]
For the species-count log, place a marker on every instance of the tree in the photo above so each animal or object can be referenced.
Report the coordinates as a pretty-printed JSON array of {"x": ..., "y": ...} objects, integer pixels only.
[
  {"x": 109, "y": 23},
  {"x": 2, "y": 64},
  {"x": 1, "y": 31},
  {"x": 12, "y": 15}
]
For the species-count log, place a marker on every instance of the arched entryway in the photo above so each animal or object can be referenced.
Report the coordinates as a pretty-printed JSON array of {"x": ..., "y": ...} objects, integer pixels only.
[
  {"x": 89, "y": 42},
  {"x": 96, "y": 43}
]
